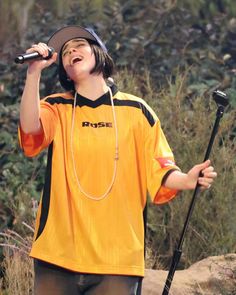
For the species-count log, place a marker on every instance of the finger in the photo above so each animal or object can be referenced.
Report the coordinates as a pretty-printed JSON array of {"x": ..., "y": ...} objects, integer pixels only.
[
  {"x": 210, "y": 174},
  {"x": 30, "y": 50},
  {"x": 45, "y": 49},
  {"x": 44, "y": 45},
  {"x": 205, "y": 187},
  {"x": 205, "y": 181},
  {"x": 36, "y": 48},
  {"x": 208, "y": 169},
  {"x": 41, "y": 48}
]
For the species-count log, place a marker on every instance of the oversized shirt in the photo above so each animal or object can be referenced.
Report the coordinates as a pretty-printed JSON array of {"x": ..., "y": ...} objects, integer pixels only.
[{"x": 72, "y": 230}]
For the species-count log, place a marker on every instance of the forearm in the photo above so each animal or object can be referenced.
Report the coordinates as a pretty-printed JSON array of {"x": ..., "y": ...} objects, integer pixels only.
[
  {"x": 177, "y": 180},
  {"x": 203, "y": 174},
  {"x": 30, "y": 104}
]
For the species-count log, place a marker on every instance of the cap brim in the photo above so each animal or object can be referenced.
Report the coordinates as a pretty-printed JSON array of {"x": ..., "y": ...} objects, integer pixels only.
[{"x": 63, "y": 35}]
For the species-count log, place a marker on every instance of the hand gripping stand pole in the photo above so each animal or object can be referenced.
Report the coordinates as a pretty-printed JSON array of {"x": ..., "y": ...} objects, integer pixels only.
[{"x": 221, "y": 101}]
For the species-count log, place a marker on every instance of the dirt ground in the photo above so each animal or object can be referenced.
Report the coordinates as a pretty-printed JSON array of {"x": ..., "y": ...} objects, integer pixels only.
[{"x": 212, "y": 276}]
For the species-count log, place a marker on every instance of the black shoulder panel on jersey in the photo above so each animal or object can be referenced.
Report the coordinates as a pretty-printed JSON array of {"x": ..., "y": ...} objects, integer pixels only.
[
  {"x": 59, "y": 100},
  {"x": 136, "y": 104}
]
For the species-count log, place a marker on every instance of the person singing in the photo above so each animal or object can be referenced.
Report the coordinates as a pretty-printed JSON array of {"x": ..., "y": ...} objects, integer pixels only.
[{"x": 106, "y": 150}]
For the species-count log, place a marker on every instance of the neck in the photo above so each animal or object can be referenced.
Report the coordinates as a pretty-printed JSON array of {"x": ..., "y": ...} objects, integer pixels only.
[{"x": 92, "y": 88}]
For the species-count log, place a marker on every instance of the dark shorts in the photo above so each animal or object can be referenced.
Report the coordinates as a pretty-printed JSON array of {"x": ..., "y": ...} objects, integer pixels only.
[{"x": 54, "y": 280}]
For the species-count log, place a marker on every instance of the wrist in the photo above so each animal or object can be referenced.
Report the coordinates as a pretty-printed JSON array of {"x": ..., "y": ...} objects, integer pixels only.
[
  {"x": 33, "y": 73},
  {"x": 177, "y": 180}
]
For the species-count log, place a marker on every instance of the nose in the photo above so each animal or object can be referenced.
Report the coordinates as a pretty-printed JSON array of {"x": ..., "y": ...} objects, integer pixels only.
[{"x": 71, "y": 50}]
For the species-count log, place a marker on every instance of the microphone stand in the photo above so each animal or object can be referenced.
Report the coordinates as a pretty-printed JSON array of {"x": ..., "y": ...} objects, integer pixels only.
[{"x": 221, "y": 101}]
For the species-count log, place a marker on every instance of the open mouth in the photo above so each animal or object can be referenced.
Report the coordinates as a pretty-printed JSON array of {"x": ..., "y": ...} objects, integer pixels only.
[{"x": 75, "y": 60}]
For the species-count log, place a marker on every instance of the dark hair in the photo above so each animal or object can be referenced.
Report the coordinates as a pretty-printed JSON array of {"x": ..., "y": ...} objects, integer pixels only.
[{"x": 103, "y": 64}]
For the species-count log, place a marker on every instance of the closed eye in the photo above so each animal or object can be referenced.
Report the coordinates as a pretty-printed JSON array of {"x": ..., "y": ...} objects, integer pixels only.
[{"x": 75, "y": 44}]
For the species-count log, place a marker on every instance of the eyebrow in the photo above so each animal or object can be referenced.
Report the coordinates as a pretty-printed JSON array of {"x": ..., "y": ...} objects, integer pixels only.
[{"x": 74, "y": 40}]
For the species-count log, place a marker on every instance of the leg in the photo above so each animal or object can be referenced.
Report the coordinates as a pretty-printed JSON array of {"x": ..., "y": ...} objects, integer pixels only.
[
  {"x": 116, "y": 285},
  {"x": 53, "y": 280}
]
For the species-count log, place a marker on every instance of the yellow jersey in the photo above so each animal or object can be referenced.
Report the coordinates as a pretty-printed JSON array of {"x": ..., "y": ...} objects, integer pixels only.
[{"x": 72, "y": 230}]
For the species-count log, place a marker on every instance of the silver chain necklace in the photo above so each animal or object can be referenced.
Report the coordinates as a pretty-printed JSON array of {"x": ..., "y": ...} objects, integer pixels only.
[{"x": 116, "y": 154}]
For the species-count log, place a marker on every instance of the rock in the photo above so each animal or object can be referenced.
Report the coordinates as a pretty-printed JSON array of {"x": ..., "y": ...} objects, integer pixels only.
[{"x": 211, "y": 276}]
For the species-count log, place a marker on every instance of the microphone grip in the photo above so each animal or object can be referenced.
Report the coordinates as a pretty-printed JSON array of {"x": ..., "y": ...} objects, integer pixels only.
[{"x": 20, "y": 59}]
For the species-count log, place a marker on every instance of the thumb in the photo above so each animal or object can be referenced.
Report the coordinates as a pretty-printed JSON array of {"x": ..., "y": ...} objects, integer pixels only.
[
  {"x": 48, "y": 62},
  {"x": 203, "y": 165},
  {"x": 53, "y": 58}
]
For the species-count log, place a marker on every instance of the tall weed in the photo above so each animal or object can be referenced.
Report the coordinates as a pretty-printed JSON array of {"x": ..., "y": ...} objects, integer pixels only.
[{"x": 17, "y": 266}]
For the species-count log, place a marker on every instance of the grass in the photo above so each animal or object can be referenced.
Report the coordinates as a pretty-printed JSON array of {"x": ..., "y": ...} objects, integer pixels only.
[{"x": 17, "y": 266}]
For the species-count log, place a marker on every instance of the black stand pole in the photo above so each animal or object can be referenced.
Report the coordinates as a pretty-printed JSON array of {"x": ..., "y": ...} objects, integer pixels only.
[{"x": 222, "y": 101}]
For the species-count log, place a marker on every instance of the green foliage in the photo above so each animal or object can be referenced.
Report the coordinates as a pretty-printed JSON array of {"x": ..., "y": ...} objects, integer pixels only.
[
  {"x": 18, "y": 174},
  {"x": 171, "y": 53},
  {"x": 206, "y": 9}
]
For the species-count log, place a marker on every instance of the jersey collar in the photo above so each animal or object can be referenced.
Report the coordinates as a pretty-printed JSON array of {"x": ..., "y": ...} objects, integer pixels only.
[{"x": 104, "y": 99}]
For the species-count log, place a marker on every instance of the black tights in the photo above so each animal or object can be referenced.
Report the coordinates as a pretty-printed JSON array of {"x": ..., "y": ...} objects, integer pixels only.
[{"x": 54, "y": 280}]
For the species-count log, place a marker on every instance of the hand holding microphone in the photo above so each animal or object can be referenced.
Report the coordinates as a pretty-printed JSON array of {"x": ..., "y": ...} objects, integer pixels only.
[{"x": 37, "y": 52}]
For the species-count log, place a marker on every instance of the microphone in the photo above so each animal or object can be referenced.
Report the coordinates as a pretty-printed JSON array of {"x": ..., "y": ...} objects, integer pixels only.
[{"x": 20, "y": 59}]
